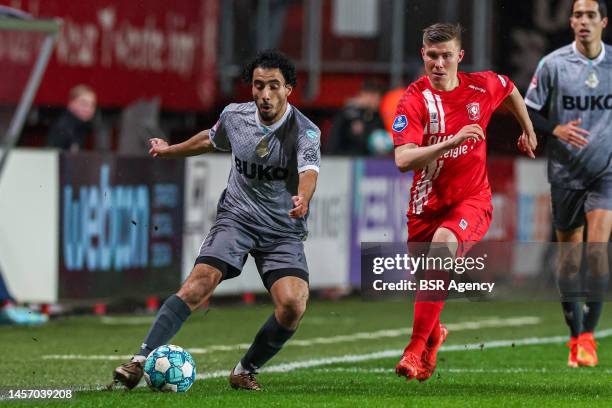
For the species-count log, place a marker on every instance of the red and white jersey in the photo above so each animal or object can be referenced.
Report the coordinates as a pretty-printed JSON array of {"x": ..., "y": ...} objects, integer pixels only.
[{"x": 426, "y": 116}]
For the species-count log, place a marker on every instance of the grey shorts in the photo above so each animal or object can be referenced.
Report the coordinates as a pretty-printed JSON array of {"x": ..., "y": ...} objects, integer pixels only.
[
  {"x": 570, "y": 206},
  {"x": 229, "y": 242}
]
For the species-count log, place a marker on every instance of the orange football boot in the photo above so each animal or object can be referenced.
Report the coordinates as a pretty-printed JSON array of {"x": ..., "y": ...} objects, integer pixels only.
[
  {"x": 572, "y": 360},
  {"x": 408, "y": 366},
  {"x": 428, "y": 358},
  {"x": 587, "y": 350}
]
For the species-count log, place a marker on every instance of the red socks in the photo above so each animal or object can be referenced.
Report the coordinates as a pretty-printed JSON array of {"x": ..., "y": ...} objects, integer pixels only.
[
  {"x": 435, "y": 333},
  {"x": 426, "y": 320}
]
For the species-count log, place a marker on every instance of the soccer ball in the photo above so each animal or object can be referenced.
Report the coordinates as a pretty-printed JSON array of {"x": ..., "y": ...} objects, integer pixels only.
[{"x": 169, "y": 368}]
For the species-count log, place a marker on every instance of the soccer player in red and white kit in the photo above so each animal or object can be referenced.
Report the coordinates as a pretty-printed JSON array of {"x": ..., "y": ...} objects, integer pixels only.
[{"x": 439, "y": 134}]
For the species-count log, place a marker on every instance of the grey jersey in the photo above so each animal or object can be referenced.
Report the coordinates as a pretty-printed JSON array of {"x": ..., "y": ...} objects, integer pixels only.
[
  {"x": 266, "y": 162},
  {"x": 568, "y": 86}
]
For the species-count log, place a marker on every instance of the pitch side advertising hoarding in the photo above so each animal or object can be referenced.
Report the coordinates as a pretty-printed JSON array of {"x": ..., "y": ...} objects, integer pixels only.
[{"x": 121, "y": 226}]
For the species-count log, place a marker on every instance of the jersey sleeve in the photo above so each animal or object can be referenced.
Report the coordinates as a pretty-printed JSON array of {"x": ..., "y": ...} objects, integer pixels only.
[
  {"x": 500, "y": 87},
  {"x": 408, "y": 125},
  {"x": 218, "y": 134},
  {"x": 309, "y": 150},
  {"x": 539, "y": 88}
]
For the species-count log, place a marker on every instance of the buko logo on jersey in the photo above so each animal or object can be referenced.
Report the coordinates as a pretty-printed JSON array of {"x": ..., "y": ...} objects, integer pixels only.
[
  {"x": 259, "y": 171},
  {"x": 584, "y": 103},
  {"x": 400, "y": 123}
]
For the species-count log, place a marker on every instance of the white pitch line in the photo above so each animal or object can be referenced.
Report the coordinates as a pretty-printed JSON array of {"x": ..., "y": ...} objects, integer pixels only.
[
  {"x": 379, "y": 334},
  {"x": 350, "y": 358},
  {"x": 353, "y": 358}
]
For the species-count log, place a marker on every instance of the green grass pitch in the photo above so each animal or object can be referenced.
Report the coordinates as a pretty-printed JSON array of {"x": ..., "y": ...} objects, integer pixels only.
[{"x": 343, "y": 355}]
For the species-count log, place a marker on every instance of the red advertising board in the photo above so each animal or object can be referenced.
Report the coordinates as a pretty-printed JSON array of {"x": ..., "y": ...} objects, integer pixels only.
[{"x": 126, "y": 50}]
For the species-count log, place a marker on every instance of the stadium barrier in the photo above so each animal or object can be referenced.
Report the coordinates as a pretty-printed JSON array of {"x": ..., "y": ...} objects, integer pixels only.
[{"x": 93, "y": 226}]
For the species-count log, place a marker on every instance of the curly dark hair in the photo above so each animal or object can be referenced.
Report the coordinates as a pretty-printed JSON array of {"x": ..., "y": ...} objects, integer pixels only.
[{"x": 269, "y": 59}]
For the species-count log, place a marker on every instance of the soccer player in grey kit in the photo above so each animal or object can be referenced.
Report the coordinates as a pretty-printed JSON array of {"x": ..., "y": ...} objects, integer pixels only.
[
  {"x": 263, "y": 212},
  {"x": 570, "y": 98}
]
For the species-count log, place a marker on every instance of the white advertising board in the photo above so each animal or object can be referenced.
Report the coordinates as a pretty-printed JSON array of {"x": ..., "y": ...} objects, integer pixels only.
[{"x": 29, "y": 225}]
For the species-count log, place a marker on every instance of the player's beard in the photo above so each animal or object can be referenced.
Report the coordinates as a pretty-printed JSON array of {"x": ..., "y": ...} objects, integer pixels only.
[{"x": 266, "y": 115}]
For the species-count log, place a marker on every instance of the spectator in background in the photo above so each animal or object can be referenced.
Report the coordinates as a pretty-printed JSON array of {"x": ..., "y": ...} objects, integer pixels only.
[
  {"x": 70, "y": 130},
  {"x": 390, "y": 100},
  {"x": 388, "y": 106},
  {"x": 357, "y": 123}
]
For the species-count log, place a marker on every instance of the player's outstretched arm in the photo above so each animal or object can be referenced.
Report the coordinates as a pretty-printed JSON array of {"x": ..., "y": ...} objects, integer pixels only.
[
  {"x": 411, "y": 156},
  {"x": 306, "y": 188},
  {"x": 197, "y": 144},
  {"x": 527, "y": 141}
]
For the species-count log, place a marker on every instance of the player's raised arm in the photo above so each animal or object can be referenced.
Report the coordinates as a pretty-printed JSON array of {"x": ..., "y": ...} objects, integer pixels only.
[
  {"x": 527, "y": 141},
  {"x": 306, "y": 189},
  {"x": 410, "y": 156},
  {"x": 197, "y": 144}
]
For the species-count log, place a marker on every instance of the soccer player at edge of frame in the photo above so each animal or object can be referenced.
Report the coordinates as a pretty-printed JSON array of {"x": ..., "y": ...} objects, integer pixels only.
[
  {"x": 439, "y": 133},
  {"x": 263, "y": 212},
  {"x": 570, "y": 101}
]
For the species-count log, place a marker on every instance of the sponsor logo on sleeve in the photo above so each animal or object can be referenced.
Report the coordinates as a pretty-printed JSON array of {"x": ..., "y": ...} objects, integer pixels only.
[
  {"x": 463, "y": 224},
  {"x": 502, "y": 80},
  {"x": 311, "y": 134},
  {"x": 400, "y": 123}
]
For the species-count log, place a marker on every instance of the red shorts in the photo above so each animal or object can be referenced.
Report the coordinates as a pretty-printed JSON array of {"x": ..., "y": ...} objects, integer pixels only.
[{"x": 469, "y": 220}]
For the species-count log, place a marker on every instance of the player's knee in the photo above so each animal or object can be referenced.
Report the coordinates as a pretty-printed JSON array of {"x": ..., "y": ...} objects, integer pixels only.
[
  {"x": 569, "y": 265},
  {"x": 199, "y": 285},
  {"x": 438, "y": 250},
  {"x": 597, "y": 259},
  {"x": 569, "y": 269},
  {"x": 291, "y": 309}
]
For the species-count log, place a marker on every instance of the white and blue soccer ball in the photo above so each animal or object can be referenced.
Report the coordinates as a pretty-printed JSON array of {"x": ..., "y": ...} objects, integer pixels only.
[{"x": 169, "y": 368}]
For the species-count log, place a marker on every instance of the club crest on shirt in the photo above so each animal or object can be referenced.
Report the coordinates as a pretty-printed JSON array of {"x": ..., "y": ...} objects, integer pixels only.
[
  {"x": 400, "y": 123},
  {"x": 473, "y": 110},
  {"x": 592, "y": 81}
]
